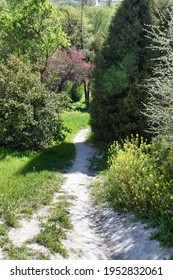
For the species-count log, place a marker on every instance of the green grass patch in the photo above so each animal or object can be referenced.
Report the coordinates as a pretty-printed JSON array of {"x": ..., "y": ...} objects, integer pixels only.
[
  {"x": 4, "y": 235},
  {"x": 24, "y": 189},
  {"x": 165, "y": 232},
  {"x": 24, "y": 253},
  {"x": 74, "y": 121},
  {"x": 55, "y": 228},
  {"x": 29, "y": 179}
]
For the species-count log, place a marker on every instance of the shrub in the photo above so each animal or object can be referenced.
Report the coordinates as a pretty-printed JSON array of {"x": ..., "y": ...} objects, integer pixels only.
[
  {"x": 29, "y": 115},
  {"x": 140, "y": 178},
  {"x": 76, "y": 92}
]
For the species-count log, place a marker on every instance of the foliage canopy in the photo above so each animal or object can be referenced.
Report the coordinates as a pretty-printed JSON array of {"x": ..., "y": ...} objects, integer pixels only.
[{"x": 31, "y": 28}]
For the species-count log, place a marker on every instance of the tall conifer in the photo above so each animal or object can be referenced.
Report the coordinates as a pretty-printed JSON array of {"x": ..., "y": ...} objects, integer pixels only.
[{"x": 120, "y": 69}]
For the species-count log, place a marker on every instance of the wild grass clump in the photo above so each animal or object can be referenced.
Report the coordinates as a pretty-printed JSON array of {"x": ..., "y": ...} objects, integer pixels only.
[
  {"x": 55, "y": 228},
  {"x": 140, "y": 179}
]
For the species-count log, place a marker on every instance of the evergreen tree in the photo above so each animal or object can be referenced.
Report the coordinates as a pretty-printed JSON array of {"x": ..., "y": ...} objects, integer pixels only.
[
  {"x": 159, "y": 106},
  {"x": 120, "y": 68}
]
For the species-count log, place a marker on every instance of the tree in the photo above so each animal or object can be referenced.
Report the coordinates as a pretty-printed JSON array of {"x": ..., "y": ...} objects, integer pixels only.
[
  {"x": 121, "y": 66},
  {"x": 67, "y": 66},
  {"x": 159, "y": 105},
  {"x": 29, "y": 115},
  {"x": 71, "y": 24},
  {"x": 31, "y": 27},
  {"x": 87, "y": 28},
  {"x": 98, "y": 18}
]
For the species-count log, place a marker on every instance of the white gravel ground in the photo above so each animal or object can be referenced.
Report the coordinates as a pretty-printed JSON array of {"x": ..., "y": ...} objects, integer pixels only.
[{"x": 98, "y": 232}]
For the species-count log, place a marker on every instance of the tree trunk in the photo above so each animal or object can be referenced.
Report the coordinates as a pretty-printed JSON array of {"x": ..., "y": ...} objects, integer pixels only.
[
  {"x": 81, "y": 27},
  {"x": 86, "y": 91}
]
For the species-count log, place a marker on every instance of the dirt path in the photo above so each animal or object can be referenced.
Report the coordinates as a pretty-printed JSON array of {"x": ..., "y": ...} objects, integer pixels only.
[
  {"x": 82, "y": 242},
  {"x": 98, "y": 233}
]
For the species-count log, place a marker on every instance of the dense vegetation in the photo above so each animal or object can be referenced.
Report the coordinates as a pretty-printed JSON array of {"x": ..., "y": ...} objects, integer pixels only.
[
  {"x": 158, "y": 108},
  {"x": 42, "y": 75},
  {"x": 55, "y": 59}
]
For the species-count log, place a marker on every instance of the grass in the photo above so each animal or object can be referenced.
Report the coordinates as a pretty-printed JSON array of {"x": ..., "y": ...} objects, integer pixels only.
[
  {"x": 24, "y": 253},
  {"x": 23, "y": 192},
  {"x": 29, "y": 179},
  {"x": 74, "y": 121},
  {"x": 165, "y": 232},
  {"x": 4, "y": 235},
  {"x": 54, "y": 230}
]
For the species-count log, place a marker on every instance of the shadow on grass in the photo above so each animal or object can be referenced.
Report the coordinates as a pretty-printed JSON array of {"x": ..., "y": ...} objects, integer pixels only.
[
  {"x": 57, "y": 158},
  {"x": 6, "y": 153}
]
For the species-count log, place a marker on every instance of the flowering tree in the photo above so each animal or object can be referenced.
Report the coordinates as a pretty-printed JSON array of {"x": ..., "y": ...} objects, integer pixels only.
[{"x": 68, "y": 65}]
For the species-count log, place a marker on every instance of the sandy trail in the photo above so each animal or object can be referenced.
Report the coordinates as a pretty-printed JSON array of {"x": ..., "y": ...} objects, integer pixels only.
[
  {"x": 98, "y": 232},
  {"x": 82, "y": 242}
]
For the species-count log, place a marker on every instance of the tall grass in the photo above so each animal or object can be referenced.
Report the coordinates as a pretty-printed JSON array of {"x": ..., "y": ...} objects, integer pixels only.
[{"x": 75, "y": 120}]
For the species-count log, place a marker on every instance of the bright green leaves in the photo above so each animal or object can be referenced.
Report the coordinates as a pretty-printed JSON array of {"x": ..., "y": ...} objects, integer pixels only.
[
  {"x": 31, "y": 27},
  {"x": 114, "y": 80},
  {"x": 30, "y": 32}
]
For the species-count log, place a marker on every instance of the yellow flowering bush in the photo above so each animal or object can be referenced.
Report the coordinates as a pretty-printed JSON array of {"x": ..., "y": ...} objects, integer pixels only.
[{"x": 140, "y": 178}]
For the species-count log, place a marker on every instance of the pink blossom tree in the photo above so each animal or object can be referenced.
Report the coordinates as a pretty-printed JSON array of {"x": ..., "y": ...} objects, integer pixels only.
[{"x": 68, "y": 65}]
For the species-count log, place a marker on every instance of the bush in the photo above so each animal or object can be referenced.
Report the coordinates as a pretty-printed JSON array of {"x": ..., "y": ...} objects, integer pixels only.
[
  {"x": 140, "y": 178},
  {"x": 75, "y": 92},
  {"x": 29, "y": 115}
]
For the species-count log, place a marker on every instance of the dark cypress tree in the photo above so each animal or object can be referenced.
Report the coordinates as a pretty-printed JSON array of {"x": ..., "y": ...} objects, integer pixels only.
[{"x": 124, "y": 62}]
